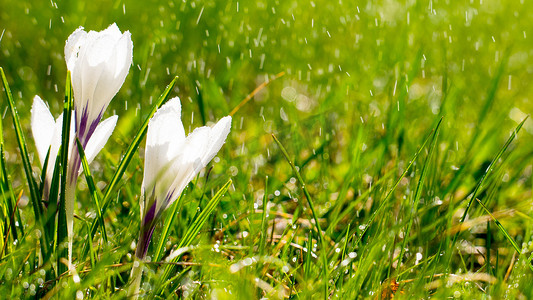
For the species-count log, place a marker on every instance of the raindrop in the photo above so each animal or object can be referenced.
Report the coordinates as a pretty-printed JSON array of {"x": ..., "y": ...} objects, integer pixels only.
[
  {"x": 283, "y": 115},
  {"x": 202, "y": 11},
  {"x": 247, "y": 261}
]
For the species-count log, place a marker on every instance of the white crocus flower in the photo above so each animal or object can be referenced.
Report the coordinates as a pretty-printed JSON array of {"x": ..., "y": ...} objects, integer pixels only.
[
  {"x": 98, "y": 63},
  {"x": 47, "y": 135},
  {"x": 171, "y": 161}
]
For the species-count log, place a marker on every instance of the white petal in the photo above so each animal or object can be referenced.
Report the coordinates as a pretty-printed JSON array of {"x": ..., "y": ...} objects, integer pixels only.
[
  {"x": 72, "y": 47},
  {"x": 166, "y": 127},
  {"x": 100, "y": 137},
  {"x": 197, "y": 151},
  {"x": 164, "y": 137},
  {"x": 217, "y": 137},
  {"x": 42, "y": 125},
  {"x": 112, "y": 30},
  {"x": 55, "y": 144},
  {"x": 88, "y": 77},
  {"x": 116, "y": 68},
  {"x": 188, "y": 163}
]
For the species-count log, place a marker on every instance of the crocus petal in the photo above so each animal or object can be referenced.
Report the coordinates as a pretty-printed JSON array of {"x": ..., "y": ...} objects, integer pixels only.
[
  {"x": 117, "y": 67},
  {"x": 196, "y": 152},
  {"x": 47, "y": 135},
  {"x": 184, "y": 167},
  {"x": 99, "y": 138},
  {"x": 72, "y": 47},
  {"x": 55, "y": 144},
  {"x": 164, "y": 138},
  {"x": 99, "y": 63},
  {"x": 217, "y": 136},
  {"x": 42, "y": 125}
]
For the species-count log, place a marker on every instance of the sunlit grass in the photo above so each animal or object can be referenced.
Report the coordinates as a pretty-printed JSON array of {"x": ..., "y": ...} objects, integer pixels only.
[{"x": 391, "y": 114}]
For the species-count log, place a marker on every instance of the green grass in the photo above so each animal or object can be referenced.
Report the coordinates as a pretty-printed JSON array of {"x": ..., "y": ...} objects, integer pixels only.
[{"x": 399, "y": 157}]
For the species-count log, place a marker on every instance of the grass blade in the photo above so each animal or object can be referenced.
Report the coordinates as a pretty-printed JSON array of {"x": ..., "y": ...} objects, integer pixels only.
[
  {"x": 502, "y": 229},
  {"x": 7, "y": 191},
  {"x": 483, "y": 179},
  {"x": 255, "y": 91},
  {"x": 264, "y": 222},
  {"x": 197, "y": 224},
  {"x": 389, "y": 194},
  {"x": 166, "y": 229},
  {"x": 313, "y": 212},
  {"x": 192, "y": 231},
  {"x": 34, "y": 192},
  {"x": 418, "y": 191},
  {"x": 92, "y": 188},
  {"x": 62, "y": 231}
]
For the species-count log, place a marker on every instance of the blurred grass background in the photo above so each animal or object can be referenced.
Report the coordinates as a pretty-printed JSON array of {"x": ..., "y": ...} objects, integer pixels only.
[{"x": 365, "y": 83}]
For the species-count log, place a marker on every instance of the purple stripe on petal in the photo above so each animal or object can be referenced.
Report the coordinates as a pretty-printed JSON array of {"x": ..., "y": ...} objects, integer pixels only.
[
  {"x": 74, "y": 166},
  {"x": 144, "y": 241},
  {"x": 147, "y": 229},
  {"x": 82, "y": 123},
  {"x": 86, "y": 127},
  {"x": 92, "y": 127},
  {"x": 150, "y": 215},
  {"x": 83, "y": 133},
  {"x": 168, "y": 197}
]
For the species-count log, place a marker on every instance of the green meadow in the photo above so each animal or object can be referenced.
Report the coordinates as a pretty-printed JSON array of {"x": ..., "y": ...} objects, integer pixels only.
[{"x": 378, "y": 150}]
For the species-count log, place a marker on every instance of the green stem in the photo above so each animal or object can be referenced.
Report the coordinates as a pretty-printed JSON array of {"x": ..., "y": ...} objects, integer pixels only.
[
  {"x": 315, "y": 217},
  {"x": 135, "y": 279}
]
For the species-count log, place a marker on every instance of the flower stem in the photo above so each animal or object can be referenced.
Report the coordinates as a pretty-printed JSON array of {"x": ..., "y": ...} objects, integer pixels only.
[
  {"x": 69, "y": 208},
  {"x": 70, "y": 198},
  {"x": 135, "y": 276},
  {"x": 145, "y": 236}
]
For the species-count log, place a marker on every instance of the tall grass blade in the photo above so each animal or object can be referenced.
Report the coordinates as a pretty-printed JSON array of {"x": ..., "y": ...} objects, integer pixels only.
[
  {"x": 7, "y": 191},
  {"x": 418, "y": 192},
  {"x": 264, "y": 222},
  {"x": 62, "y": 232},
  {"x": 166, "y": 229},
  {"x": 320, "y": 234},
  {"x": 32, "y": 185},
  {"x": 53, "y": 200},
  {"x": 92, "y": 189},
  {"x": 192, "y": 232},
  {"x": 201, "y": 105},
  {"x": 385, "y": 200},
  {"x": 502, "y": 229},
  {"x": 479, "y": 185},
  {"x": 197, "y": 224}
]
